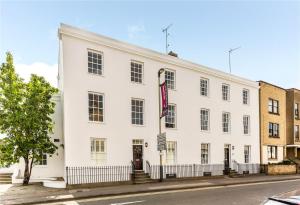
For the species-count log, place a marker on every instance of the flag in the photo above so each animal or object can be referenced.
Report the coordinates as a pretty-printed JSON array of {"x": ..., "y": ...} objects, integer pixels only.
[{"x": 164, "y": 99}]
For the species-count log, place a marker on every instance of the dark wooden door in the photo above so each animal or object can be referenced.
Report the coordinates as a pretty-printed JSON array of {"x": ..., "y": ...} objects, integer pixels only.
[
  {"x": 138, "y": 156},
  {"x": 226, "y": 160}
]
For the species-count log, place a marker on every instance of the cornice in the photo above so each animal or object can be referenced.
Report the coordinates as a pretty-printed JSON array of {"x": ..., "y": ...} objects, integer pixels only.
[{"x": 150, "y": 54}]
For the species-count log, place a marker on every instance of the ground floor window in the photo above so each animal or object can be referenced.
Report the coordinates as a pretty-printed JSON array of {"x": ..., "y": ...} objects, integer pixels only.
[
  {"x": 43, "y": 161},
  {"x": 98, "y": 150},
  {"x": 272, "y": 152},
  {"x": 204, "y": 153},
  {"x": 171, "y": 152},
  {"x": 247, "y": 153}
]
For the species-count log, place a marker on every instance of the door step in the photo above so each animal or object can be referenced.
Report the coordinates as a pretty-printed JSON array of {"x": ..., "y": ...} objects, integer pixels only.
[{"x": 140, "y": 177}]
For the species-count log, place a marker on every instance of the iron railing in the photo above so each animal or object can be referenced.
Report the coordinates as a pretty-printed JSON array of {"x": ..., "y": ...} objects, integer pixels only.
[
  {"x": 187, "y": 170},
  {"x": 98, "y": 174},
  {"x": 248, "y": 168}
]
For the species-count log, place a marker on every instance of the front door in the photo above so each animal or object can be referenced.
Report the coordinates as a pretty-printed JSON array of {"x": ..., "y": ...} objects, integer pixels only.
[
  {"x": 138, "y": 156},
  {"x": 226, "y": 159}
]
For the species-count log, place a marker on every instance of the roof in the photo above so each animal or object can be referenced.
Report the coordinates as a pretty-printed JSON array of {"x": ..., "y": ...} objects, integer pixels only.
[
  {"x": 261, "y": 81},
  {"x": 151, "y": 54}
]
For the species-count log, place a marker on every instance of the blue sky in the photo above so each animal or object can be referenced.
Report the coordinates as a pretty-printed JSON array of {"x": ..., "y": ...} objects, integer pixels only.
[{"x": 268, "y": 33}]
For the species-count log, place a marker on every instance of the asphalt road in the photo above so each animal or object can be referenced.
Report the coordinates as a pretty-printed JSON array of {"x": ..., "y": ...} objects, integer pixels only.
[{"x": 241, "y": 194}]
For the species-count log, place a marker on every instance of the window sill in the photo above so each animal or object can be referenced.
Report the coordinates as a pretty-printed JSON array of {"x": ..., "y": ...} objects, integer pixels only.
[
  {"x": 136, "y": 83},
  {"x": 134, "y": 125},
  {"x": 96, "y": 122},
  {"x": 40, "y": 166},
  {"x": 94, "y": 74},
  {"x": 171, "y": 128},
  {"x": 205, "y": 131},
  {"x": 274, "y": 137},
  {"x": 273, "y": 113}
]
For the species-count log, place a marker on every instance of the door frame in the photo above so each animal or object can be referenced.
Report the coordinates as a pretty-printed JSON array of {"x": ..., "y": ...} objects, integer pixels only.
[
  {"x": 138, "y": 142},
  {"x": 227, "y": 168}
]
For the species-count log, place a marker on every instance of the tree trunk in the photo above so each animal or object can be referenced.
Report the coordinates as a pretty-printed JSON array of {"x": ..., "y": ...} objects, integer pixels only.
[{"x": 26, "y": 172}]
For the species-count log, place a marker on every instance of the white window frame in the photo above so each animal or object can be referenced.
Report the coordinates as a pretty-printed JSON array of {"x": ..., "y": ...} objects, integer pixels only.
[
  {"x": 132, "y": 78},
  {"x": 228, "y": 92},
  {"x": 93, "y": 107},
  {"x": 134, "y": 122},
  {"x": 246, "y": 101},
  {"x": 98, "y": 157},
  {"x": 174, "y": 157},
  {"x": 205, "y": 147},
  {"x": 272, "y": 153},
  {"x": 247, "y": 154},
  {"x": 167, "y": 117},
  {"x": 206, "y": 92},
  {"x": 202, "y": 126},
  {"x": 297, "y": 133},
  {"x": 246, "y": 124},
  {"x": 102, "y": 62},
  {"x": 228, "y": 122},
  {"x": 168, "y": 85},
  {"x": 41, "y": 163}
]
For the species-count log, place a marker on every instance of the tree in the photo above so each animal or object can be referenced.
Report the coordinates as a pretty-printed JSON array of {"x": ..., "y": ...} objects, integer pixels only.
[{"x": 25, "y": 118}]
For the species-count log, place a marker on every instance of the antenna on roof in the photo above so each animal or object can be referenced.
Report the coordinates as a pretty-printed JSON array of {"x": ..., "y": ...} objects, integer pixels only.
[
  {"x": 229, "y": 55},
  {"x": 165, "y": 30}
]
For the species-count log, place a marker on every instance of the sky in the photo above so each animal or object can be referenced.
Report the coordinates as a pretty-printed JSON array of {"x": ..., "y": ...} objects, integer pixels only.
[{"x": 268, "y": 33}]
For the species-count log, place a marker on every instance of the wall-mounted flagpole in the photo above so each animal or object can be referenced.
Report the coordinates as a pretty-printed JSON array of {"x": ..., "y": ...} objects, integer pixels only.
[{"x": 160, "y": 115}]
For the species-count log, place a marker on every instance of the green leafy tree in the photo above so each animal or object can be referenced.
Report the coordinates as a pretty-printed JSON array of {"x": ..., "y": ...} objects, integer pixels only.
[{"x": 25, "y": 118}]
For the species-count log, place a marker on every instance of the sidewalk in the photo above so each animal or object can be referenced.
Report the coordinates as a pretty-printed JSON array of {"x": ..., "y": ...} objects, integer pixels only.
[{"x": 17, "y": 194}]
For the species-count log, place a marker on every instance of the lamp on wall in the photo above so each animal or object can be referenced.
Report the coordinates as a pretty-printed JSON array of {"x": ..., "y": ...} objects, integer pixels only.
[{"x": 146, "y": 144}]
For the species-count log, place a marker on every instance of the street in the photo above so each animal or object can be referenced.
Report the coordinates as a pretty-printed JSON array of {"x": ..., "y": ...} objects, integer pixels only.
[{"x": 235, "y": 194}]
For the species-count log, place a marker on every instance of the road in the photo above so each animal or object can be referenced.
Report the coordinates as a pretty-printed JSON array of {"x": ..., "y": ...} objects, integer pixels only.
[{"x": 251, "y": 194}]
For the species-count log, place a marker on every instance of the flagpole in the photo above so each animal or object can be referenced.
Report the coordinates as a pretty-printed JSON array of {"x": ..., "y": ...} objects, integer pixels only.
[{"x": 159, "y": 131}]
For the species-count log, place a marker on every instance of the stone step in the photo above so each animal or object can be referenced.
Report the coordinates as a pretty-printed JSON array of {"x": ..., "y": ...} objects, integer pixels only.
[
  {"x": 143, "y": 181},
  {"x": 5, "y": 177}
]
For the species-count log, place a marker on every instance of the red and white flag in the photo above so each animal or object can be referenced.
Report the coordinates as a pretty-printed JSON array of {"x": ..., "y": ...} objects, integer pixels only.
[{"x": 164, "y": 99}]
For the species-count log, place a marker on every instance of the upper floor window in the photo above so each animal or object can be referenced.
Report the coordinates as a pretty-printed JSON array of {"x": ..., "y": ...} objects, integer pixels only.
[
  {"x": 296, "y": 111},
  {"x": 95, "y": 62},
  {"x": 98, "y": 150},
  {"x": 273, "y": 130},
  {"x": 246, "y": 124},
  {"x": 137, "y": 111},
  {"x": 136, "y": 72},
  {"x": 204, "y": 86},
  {"x": 247, "y": 154},
  {"x": 96, "y": 107},
  {"x": 225, "y": 92},
  {"x": 171, "y": 152},
  {"x": 170, "y": 79},
  {"x": 272, "y": 152},
  {"x": 226, "y": 122},
  {"x": 296, "y": 133},
  {"x": 245, "y": 96},
  {"x": 170, "y": 118},
  {"x": 204, "y": 119},
  {"x": 204, "y": 153},
  {"x": 273, "y": 106}
]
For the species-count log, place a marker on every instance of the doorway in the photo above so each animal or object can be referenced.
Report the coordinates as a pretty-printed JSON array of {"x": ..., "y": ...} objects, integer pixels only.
[
  {"x": 227, "y": 159},
  {"x": 137, "y": 150}
]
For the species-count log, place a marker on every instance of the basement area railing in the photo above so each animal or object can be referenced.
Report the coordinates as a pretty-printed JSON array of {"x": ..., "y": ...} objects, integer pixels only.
[{"x": 98, "y": 174}]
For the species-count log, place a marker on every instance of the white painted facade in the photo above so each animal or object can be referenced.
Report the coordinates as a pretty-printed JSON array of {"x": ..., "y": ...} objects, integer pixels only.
[
  {"x": 115, "y": 84},
  {"x": 75, "y": 131}
]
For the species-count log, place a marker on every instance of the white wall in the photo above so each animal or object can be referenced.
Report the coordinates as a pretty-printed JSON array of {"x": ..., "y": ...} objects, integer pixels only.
[
  {"x": 118, "y": 90},
  {"x": 55, "y": 164}
]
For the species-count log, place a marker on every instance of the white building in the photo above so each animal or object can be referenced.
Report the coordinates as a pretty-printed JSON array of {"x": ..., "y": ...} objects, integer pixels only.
[{"x": 109, "y": 98}]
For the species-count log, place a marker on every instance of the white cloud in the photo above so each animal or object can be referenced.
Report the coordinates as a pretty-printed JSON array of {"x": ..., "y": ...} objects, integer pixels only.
[
  {"x": 49, "y": 72},
  {"x": 135, "y": 31}
]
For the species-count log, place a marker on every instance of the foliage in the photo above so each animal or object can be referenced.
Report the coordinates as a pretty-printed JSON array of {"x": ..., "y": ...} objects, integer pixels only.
[{"x": 25, "y": 118}]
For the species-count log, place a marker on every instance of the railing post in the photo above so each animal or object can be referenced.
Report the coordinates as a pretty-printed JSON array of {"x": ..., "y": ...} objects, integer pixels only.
[{"x": 67, "y": 175}]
